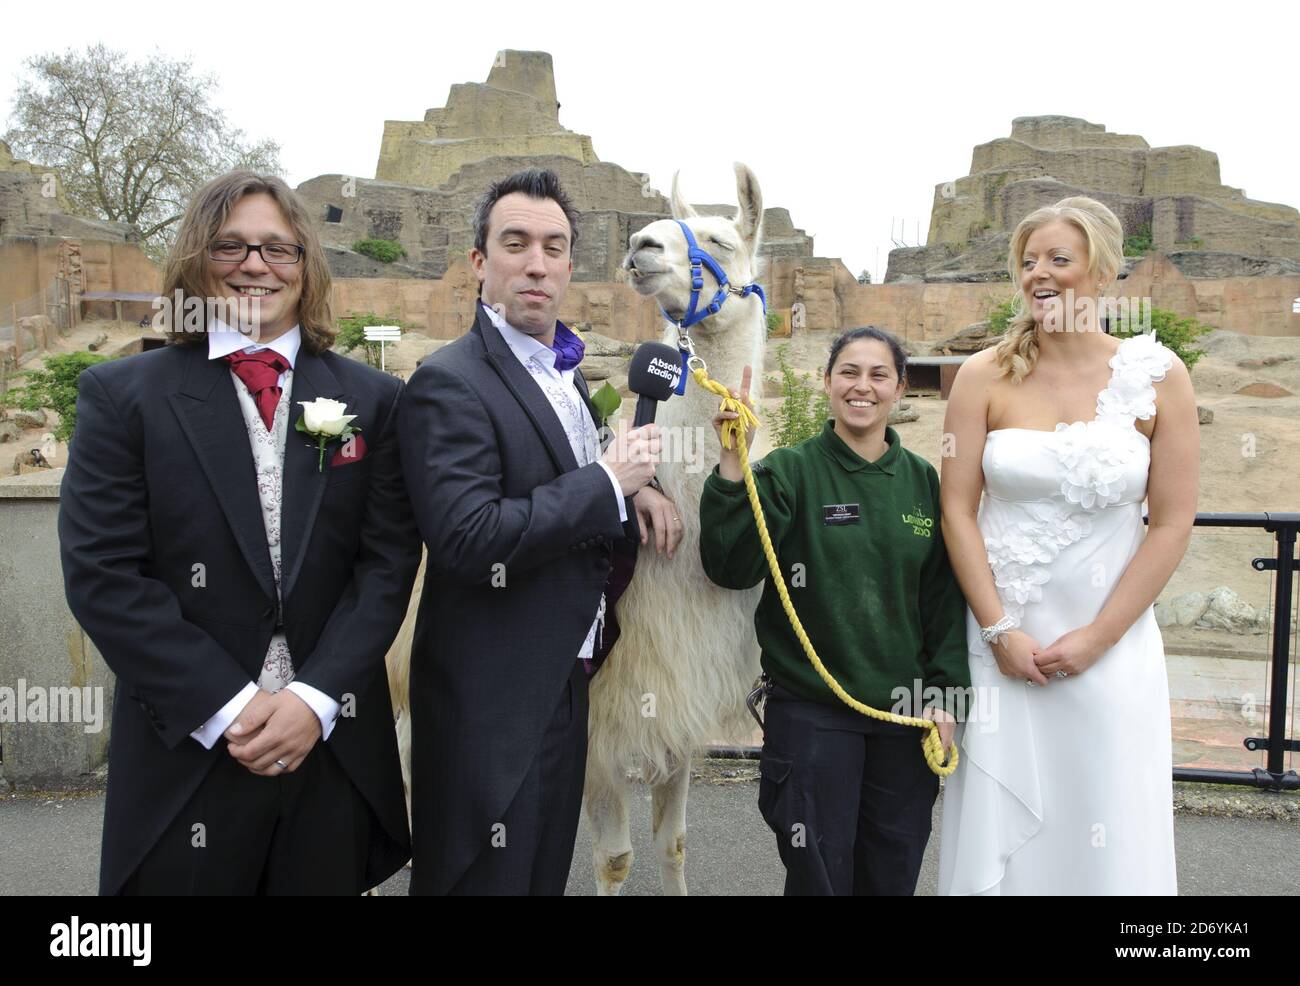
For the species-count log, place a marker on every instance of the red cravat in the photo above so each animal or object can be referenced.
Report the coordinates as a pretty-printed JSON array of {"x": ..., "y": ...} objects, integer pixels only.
[{"x": 260, "y": 372}]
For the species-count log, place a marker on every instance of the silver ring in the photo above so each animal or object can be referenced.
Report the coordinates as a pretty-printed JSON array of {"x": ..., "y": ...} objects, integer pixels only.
[
  {"x": 1061, "y": 674},
  {"x": 282, "y": 765}
]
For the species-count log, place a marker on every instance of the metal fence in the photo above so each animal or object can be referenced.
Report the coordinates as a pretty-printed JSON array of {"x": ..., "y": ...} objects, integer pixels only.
[
  {"x": 1274, "y": 744},
  {"x": 54, "y": 301},
  {"x": 1274, "y": 775}
]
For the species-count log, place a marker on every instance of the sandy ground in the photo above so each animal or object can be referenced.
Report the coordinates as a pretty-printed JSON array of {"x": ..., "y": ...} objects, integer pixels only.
[{"x": 78, "y": 338}]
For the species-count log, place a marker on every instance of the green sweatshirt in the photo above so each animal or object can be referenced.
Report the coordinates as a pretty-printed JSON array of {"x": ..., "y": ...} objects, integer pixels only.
[{"x": 860, "y": 546}]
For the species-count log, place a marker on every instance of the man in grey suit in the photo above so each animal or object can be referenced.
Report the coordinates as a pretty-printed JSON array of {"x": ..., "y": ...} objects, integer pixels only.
[{"x": 520, "y": 512}]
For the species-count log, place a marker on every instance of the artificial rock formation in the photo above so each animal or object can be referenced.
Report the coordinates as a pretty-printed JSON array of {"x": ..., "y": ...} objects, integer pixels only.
[
  {"x": 1174, "y": 192},
  {"x": 513, "y": 114},
  {"x": 431, "y": 172},
  {"x": 434, "y": 225},
  {"x": 32, "y": 204}
]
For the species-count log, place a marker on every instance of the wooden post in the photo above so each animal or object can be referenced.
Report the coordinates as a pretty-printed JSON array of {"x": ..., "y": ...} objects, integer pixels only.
[{"x": 18, "y": 334}]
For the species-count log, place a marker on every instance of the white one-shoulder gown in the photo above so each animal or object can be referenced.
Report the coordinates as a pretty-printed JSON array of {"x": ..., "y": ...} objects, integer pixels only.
[{"x": 1066, "y": 789}]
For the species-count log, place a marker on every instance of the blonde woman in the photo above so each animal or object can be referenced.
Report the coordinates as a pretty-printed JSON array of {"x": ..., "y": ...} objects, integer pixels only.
[{"x": 1058, "y": 435}]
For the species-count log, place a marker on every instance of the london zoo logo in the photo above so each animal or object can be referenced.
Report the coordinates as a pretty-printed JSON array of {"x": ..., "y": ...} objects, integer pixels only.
[{"x": 922, "y": 526}]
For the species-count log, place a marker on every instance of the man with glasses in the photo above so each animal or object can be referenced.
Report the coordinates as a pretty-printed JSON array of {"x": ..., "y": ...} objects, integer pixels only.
[{"x": 243, "y": 566}]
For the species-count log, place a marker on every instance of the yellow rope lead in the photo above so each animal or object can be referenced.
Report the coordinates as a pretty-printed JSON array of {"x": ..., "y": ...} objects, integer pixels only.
[{"x": 733, "y": 436}]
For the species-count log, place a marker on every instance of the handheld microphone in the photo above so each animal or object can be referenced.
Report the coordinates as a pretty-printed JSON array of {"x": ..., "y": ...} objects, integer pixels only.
[{"x": 653, "y": 375}]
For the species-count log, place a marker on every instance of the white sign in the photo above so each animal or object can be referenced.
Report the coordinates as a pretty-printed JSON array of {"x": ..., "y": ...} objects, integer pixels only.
[{"x": 382, "y": 334}]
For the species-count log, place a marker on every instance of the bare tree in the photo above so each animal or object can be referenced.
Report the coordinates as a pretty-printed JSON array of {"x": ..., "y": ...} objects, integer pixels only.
[{"x": 130, "y": 141}]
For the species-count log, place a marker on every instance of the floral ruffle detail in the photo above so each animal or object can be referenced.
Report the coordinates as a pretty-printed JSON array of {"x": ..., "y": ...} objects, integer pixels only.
[
  {"x": 1018, "y": 585},
  {"x": 1093, "y": 458},
  {"x": 1139, "y": 362},
  {"x": 1021, "y": 556}
]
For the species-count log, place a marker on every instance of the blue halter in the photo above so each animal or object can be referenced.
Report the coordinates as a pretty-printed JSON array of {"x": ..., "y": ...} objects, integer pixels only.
[{"x": 699, "y": 260}]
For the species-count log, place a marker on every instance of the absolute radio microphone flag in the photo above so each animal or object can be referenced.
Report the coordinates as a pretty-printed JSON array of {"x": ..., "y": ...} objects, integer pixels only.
[{"x": 653, "y": 375}]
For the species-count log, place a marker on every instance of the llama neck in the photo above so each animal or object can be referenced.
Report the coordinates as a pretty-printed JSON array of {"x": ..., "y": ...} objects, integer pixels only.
[{"x": 735, "y": 339}]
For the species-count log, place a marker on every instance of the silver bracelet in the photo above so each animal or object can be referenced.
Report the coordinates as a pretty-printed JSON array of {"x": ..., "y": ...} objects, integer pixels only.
[{"x": 991, "y": 634}]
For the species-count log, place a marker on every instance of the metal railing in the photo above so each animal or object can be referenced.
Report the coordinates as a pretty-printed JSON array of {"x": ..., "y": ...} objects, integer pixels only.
[
  {"x": 1274, "y": 776},
  {"x": 54, "y": 301}
]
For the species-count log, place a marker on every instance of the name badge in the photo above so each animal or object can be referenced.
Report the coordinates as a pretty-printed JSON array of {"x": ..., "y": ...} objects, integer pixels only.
[{"x": 834, "y": 514}]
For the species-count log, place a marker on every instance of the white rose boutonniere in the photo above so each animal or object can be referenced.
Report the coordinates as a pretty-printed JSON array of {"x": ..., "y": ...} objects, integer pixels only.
[{"x": 324, "y": 420}]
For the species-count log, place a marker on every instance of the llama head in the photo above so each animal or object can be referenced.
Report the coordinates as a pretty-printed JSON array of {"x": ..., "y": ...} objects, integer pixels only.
[{"x": 657, "y": 262}]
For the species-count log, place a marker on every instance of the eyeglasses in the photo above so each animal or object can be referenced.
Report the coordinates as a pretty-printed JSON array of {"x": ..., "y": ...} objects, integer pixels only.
[{"x": 234, "y": 252}]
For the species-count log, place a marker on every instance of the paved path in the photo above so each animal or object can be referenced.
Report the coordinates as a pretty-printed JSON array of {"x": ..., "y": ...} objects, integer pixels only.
[{"x": 51, "y": 846}]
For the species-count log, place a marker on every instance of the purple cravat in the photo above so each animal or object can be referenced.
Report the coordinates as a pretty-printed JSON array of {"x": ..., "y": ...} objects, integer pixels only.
[{"x": 568, "y": 348}]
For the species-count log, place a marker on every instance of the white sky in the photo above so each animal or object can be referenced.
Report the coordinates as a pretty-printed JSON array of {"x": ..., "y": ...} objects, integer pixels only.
[{"x": 848, "y": 117}]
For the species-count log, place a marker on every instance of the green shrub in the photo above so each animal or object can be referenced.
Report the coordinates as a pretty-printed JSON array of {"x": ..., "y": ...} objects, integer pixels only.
[
  {"x": 1171, "y": 329},
  {"x": 352, "y": 334},
  {"x": 774, "y": 322},
  {"x": 1140, "y": 243},
  {"x": 385, "y": 251},
  {"x": 54, "y": 387},
  {"x": 1175, "y": 332},
  {"x": 1000, "y": 315},
  {"x": 804, "y": 407}
]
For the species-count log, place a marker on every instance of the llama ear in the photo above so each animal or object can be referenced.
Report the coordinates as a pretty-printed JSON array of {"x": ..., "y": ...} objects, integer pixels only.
[
  {"x": 681, "y": 208},
  {"x": 749, "y": 220}
]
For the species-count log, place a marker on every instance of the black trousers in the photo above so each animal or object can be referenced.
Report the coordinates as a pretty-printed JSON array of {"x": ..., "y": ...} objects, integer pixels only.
[
  {"x": 307, "y": 832},
  {"x": 848, "y": 797},
  {"x": 532, "y": 846}
]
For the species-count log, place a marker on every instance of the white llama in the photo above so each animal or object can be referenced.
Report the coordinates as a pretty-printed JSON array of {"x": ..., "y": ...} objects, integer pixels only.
[{"x": 678, "y": 677}]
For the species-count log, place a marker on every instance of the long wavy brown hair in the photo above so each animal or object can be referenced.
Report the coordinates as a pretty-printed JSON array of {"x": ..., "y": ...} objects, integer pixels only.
[{"x": 187, "y": 262}]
